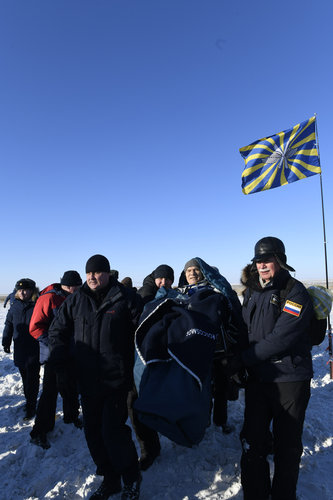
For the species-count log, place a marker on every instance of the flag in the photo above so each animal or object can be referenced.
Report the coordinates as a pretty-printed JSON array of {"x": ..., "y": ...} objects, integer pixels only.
[{"x": 280, "y": 159}]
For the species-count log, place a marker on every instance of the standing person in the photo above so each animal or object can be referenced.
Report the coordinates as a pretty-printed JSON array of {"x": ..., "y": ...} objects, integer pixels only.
[
  {"x": 26, "y": 350},
  {"x": 127, "y": 282},
  {"x": 46, "y": 309},
  {"x": 99, "y": 323},
  {"x": 279, "y": 364},
  {"x": 163, "y": 275}
]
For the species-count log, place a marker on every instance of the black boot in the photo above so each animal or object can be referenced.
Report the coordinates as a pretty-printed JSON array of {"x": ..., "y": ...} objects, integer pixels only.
[
  {"x": 29, "y": 413},
  {"x": 147, "y": 459},
  {"x": 131, "y": 491},
  {"x": 107, "y": 488},
  {"x": 40, "y": 440}
]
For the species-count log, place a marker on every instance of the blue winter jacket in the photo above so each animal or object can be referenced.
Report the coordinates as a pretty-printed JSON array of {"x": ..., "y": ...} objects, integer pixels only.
[
  {"x": 26, "y": 348},
  {"x": 176, "y": 342},
  {"x": 278, "y": 333}
]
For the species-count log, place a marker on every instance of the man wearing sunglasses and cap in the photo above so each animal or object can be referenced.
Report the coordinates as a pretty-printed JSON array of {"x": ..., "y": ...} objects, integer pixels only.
[{"x": 279, "y": 364}]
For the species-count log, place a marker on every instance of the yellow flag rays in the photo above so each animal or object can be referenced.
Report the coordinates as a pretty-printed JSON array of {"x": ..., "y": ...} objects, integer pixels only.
[{"x": 280, "y": 159}]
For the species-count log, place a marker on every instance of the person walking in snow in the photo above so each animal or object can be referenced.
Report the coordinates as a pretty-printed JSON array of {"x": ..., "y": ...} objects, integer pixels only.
[
  {"x": 26, "y": 350},
  {"x": 98, "y": 324},
  {"x": 46, "y": 309},
  {"x": 278, "y": 361}
]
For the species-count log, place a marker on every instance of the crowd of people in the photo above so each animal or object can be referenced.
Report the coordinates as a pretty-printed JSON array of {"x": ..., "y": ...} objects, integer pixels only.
[{"x": 169, "y": 357}]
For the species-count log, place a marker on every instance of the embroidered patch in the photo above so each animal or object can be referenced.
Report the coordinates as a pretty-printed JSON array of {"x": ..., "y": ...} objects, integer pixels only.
[{"x": 292, "y": 308}]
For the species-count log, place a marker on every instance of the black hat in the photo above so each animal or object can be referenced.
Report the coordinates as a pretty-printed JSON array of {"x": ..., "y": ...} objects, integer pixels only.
[
  {"x": 97, "y": 264},
  {"x": 25, "y": 284},
  {"x": 164, "y": 271},
  {"x": 127, "y": 282},
  {"x": 71, "y": 278},
  {"x": 268, "y": 246}
]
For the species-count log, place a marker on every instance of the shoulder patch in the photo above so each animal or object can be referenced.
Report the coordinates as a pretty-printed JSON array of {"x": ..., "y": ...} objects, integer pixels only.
[{"x": 292, "y": 308}]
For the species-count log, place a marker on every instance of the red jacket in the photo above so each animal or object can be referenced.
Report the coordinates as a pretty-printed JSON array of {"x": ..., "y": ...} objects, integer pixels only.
[{"x": 45, "y": 310}]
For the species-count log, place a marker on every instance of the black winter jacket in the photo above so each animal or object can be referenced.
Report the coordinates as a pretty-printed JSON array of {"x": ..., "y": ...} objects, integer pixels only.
[
  {"x": 280, "y": 349},
  {"x": 101, "y": 336},
  {"x": 148, "y": 289},
  {"x": 26, "y": 348}
]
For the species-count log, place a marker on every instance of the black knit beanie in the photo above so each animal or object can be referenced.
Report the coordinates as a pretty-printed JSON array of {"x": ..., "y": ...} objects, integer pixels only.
[
  {"x": 71, "y": 278},
  {"x": 97, "y": 264},
  {"x": 164, "y": 271}
]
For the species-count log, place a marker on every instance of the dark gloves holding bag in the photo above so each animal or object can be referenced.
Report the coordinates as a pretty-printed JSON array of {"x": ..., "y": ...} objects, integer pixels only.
[
  {"x": 6, "y": 348},
  {"x": 234, "y": 364},
  {"x": 235, "y": 369}
]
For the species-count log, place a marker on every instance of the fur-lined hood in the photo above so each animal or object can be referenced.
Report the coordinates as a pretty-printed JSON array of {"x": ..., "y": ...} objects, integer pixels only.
[{"x": 250, "y": 278}]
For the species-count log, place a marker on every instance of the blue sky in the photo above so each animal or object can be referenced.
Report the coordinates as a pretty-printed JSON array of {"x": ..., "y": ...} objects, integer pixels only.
[{"x": 121, "y": 123}]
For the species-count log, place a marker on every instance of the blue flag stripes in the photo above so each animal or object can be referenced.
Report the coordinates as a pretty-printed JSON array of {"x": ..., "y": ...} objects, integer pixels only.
[{"x": 280, "y": 159}]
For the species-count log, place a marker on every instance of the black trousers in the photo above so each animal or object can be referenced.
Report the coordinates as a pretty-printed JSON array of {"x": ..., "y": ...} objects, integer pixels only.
[
  {"x": 108, "y": 437},
  {"x": 283, "y": 405},
  {"x": 30, "y": 378},
  {"x": 47, "y": 404},
  {"x": 220, "y": 394},
  {"x": 147, "y": 438}
]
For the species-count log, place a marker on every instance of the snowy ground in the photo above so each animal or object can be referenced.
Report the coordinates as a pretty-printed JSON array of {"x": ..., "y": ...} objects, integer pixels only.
[{"x": 209, "y": 471}]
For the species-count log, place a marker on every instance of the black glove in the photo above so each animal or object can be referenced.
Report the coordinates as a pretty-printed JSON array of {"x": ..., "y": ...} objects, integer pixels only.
[
  {"x": 240, "y": 377},
  {"x": 233, "y": 364},
  {"x": 6, "y": 348}
]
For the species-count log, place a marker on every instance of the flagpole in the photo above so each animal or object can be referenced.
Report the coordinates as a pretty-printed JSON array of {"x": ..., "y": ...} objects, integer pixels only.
[{"x": 329, "y": 328}]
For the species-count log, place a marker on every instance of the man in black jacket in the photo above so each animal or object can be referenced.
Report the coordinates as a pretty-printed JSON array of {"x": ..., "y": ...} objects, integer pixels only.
[
  {"x": 163, "y": 275},
  {"x": 98, "y": 324},
  {"x": 279, "y": 364}
]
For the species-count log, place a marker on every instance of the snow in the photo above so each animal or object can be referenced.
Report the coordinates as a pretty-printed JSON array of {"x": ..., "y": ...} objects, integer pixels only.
[{"x": 208, "y": 471}]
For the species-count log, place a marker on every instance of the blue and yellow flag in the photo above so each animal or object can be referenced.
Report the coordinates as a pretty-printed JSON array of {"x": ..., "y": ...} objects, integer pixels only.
[{"x": 280, "y": 159}]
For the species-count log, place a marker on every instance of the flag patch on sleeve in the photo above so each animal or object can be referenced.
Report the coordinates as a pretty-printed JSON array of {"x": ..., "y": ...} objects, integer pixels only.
[{"x": 292, "y": 308}]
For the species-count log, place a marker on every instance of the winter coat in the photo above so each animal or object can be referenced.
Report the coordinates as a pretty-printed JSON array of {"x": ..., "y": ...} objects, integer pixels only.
[
  {"x": 46, "y": 308},
  {"x": 279, "y": 349},
  {"x": 178, "y": 337},
  {"x": 101, "y": 335},
  {"x": 176, "y": 343},
  {"x": 16, "y": 328}
]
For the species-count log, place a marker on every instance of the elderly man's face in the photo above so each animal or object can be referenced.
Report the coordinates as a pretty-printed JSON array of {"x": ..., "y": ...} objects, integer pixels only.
[
  {"x": 267, "y": 268},
  {"x": 193, "y": 275},
  {"x": 166, "y": 282},
  {"x": 97, "y": 280}
]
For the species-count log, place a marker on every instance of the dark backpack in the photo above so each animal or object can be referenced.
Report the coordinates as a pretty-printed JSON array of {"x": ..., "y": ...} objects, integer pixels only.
[{"x": 317, "y": 326}]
